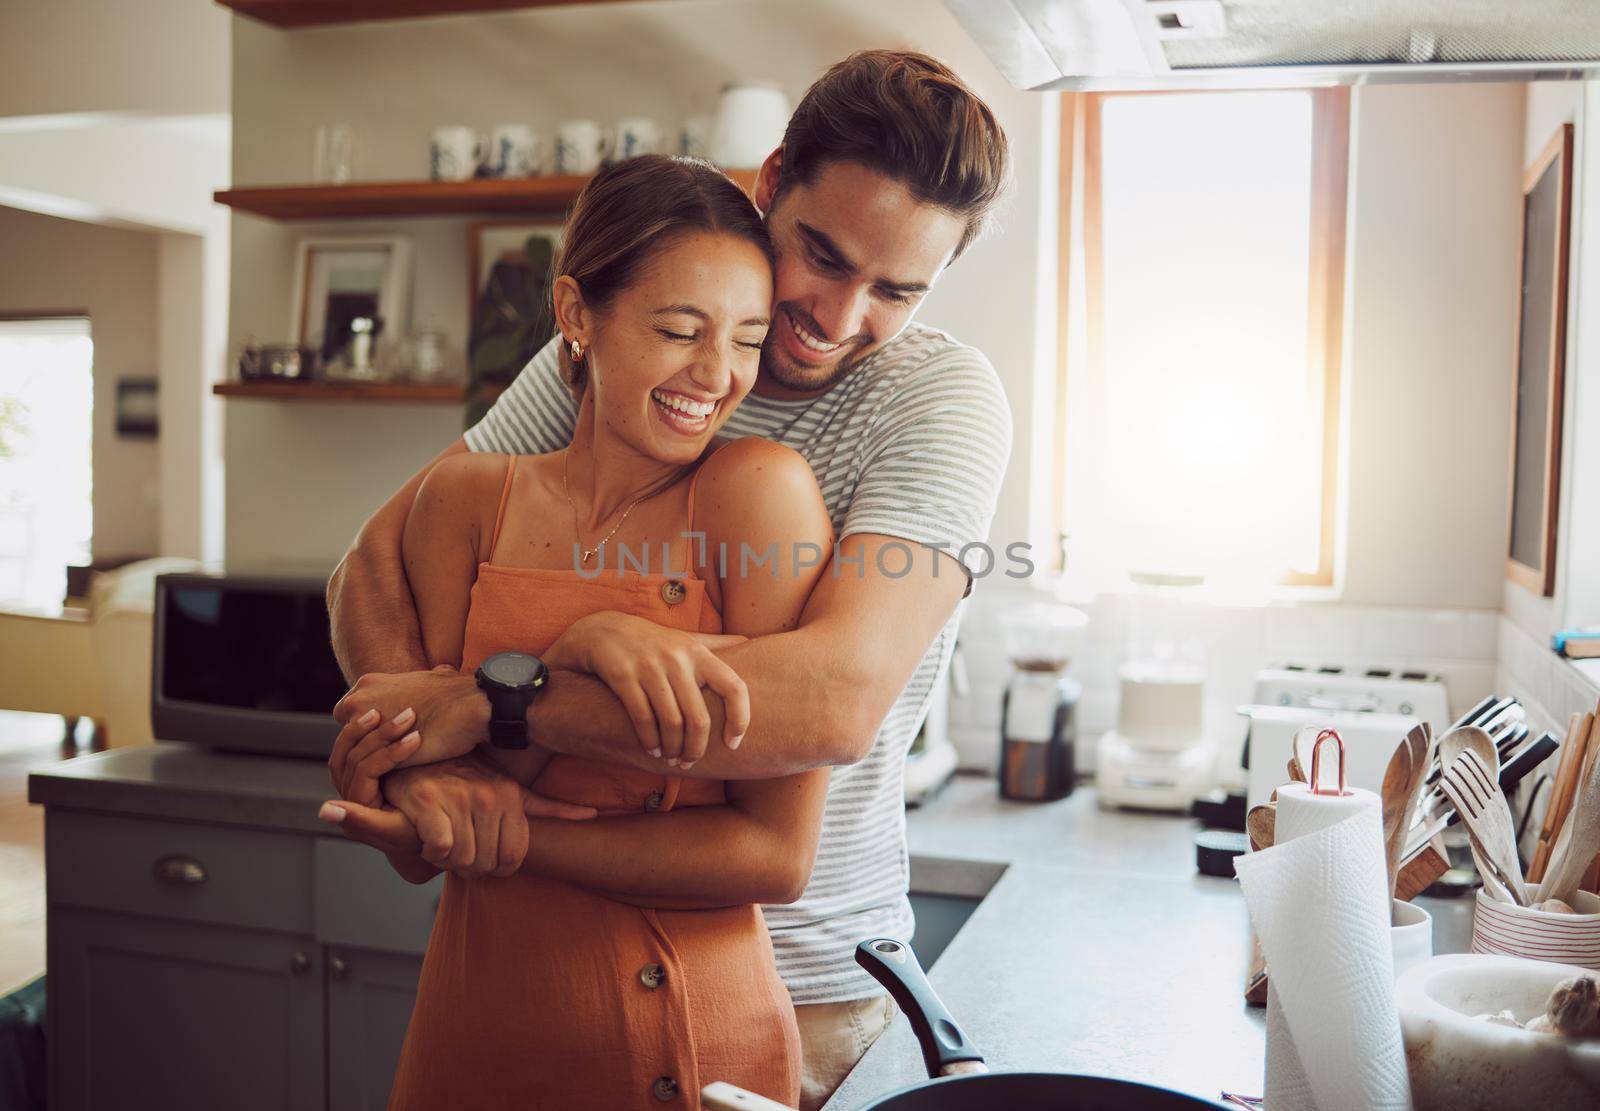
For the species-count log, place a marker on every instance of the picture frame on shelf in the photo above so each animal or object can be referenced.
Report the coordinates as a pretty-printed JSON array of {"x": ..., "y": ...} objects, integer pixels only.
[
  {"x": 509, "y": 264},
  {"x": 1539, "y": 368},
  {"x": 341, "y": 279}
]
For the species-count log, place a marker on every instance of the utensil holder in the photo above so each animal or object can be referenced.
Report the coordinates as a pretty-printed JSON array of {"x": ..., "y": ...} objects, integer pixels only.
[{"x": 1539, "y": 935}]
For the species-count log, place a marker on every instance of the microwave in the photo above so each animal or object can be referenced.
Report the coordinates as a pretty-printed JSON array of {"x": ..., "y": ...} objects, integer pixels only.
[{"x": 245, "y": 662}]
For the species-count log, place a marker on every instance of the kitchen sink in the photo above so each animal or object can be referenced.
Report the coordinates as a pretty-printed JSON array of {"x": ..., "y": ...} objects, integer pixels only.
[{"x": 944, "y": 893}]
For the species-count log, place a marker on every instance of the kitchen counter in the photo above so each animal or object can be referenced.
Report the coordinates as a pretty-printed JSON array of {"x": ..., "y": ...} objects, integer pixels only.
[
  {"x": 1096, "y": 947},
  {"x": 1099, "y": 949},
  {"x": 185, "y": 783}
]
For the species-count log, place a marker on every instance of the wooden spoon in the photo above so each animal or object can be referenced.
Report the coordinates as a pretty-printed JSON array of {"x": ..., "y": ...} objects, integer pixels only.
[
  {"x": 1262, "y": 825},
  {"x": 1405, "y": 775},
  {"x": 1578, "y": 843}
]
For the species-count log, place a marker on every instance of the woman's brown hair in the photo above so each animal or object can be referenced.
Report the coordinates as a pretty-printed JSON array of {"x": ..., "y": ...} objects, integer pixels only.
[
  {"x": 630, "y": 211},
  {"x": 909, "y": 117}
]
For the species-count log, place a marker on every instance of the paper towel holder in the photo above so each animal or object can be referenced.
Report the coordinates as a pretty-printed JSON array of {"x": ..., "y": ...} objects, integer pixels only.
[{"x": 1316, "y": 763}]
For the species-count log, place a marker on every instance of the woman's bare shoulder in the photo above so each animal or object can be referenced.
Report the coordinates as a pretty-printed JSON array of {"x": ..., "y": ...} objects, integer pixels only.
[
  {"x": 750, "y": 483},
  {"x": 460, "y": 484}
]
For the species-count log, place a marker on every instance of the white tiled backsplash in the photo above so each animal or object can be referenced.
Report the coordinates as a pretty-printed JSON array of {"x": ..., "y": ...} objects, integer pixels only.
[
  {"x": 1552, "y": 688},
  {"x": 1460, "y": 646}
]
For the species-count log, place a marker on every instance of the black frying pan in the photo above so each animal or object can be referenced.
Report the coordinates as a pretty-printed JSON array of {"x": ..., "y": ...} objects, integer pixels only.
[{"x": 960, "y": 1080}]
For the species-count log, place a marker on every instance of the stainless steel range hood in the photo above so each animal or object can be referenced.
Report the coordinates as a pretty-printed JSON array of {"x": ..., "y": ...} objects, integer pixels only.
[{"x": 1140, "y": 44}]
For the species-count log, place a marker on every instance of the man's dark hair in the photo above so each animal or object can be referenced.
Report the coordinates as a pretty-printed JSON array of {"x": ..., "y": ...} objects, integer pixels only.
[{"x": 909, "y": 117}]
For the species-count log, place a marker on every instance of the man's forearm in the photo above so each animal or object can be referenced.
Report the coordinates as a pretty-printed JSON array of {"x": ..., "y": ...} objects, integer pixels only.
[
  {"x": 370, "y": 608},
  {"x": 800, "y": 719},
  {"x": 691, "y": 859},
  {"x": 373, "y": 618}
]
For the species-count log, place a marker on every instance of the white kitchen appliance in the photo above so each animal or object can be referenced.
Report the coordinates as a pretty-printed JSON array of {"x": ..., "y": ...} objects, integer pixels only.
[
  {"x": 1371, "y": 706},
  {"x": 1158, "y": 757}
]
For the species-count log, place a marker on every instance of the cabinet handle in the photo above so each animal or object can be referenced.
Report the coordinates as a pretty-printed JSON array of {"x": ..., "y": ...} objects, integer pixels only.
[
  {"x": 299, "y": 964},
  {"x": 181, "y": 871},
  {"x": 338, "y": 968}
]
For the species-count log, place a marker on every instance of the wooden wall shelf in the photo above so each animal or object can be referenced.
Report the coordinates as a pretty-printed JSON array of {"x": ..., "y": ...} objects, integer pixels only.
[
  {"x": 320, "y": 13},
  {"x": 341, "y": 391},
  {"x": 536, "y": 196}
]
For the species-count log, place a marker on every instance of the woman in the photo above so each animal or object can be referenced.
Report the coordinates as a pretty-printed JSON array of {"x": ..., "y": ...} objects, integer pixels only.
[{"x": 537, "y": 993}]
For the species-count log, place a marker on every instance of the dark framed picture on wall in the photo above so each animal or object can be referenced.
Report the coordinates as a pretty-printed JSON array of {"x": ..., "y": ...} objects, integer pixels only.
[
  {"x": 1538, "y": 381},
  {"x": 509, "y": 265}
]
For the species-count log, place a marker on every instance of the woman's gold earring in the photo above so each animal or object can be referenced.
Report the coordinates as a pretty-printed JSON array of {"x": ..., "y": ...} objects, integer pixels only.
[{"x": 577, "y": 351}]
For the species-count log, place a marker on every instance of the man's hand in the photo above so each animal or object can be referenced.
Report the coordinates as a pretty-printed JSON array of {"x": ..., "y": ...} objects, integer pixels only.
[
  {"x": 657, "y": 674},
  {"x": 461, "y": 815},
  {"x": 450, "y": 718}
]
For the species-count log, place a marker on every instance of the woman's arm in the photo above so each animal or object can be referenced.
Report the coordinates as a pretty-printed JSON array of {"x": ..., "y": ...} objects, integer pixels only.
[{"x": 759, "y": 846}]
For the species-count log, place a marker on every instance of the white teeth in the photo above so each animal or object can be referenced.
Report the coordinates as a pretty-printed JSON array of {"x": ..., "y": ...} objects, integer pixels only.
[
  {"x": 810, "y": 340},
  {"x": 680, "y": 404}
]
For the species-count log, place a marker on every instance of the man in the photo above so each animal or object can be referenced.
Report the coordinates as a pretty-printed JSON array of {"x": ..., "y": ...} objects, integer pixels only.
[{"x": 889, "y": 168}]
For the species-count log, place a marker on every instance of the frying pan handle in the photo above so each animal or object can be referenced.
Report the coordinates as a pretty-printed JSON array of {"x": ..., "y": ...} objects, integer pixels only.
[{"x": 894, "y": 965}]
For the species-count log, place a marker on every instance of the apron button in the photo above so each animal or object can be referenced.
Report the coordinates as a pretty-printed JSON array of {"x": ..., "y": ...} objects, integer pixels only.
[
  {"x": 664, "y": 1089},
  {"x": 673, "y": 592},
  {"x": 652, "y": 801},
  {"x": 652, "y": 975}
]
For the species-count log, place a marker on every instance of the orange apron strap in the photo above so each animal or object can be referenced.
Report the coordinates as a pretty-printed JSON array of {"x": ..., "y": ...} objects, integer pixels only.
[{"x": 500, "y": 514}]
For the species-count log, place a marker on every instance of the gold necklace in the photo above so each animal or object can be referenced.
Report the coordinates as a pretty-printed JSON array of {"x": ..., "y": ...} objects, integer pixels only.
[{"x": 586, "y": 554}]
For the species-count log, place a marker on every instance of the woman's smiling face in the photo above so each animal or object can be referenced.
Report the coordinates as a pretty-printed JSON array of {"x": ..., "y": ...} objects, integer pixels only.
[{"x": 677, "y": 349}]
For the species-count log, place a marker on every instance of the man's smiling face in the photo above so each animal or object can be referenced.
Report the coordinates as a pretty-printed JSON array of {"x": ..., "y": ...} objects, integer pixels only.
[{"x": 856, "y": 255}]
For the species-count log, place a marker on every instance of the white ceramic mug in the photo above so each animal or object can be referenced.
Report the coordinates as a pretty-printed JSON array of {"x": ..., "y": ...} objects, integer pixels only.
[
  {"x": 1411, "y": 935},
  {"x": 454, "y": 154},
  {"x": 751, "y": 120},
  {"x": 581, "y": 145},
  {"x": 514, "y": 151},
  {"x": 638, "y": 135}
]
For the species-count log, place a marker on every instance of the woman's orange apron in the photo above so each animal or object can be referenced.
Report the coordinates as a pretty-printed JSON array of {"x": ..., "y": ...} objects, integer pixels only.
[{"x": 539, "y": 994}]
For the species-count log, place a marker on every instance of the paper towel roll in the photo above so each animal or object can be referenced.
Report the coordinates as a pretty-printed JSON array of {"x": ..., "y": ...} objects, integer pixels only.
[{"x": 1319, "y": 901}]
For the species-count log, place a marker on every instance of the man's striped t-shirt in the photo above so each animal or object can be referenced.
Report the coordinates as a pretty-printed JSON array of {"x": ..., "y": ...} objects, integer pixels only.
[{"x": 911, "y": 444}]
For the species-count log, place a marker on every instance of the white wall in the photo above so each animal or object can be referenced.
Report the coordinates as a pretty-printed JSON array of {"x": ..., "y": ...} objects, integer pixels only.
[
  {"x": 113, "y": 274},
  {"x": 1430, "y": 304},
  {"x": 395, "y": 82},
  {"x": 159, "y": 57}
]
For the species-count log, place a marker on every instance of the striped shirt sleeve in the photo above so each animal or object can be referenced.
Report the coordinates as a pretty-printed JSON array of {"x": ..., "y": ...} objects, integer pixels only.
[
  {"x": 935, "y": 455},
  {"x": 536, "y": 413}
]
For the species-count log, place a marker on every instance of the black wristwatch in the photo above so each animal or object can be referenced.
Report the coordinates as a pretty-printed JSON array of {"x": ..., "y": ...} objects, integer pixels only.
[{"x": 510, "y": 679}]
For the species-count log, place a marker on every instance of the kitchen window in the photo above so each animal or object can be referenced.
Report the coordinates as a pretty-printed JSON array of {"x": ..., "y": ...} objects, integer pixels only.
[
  {"x": 46, "y": 423},
  {"x": 1202, "y": 280}
]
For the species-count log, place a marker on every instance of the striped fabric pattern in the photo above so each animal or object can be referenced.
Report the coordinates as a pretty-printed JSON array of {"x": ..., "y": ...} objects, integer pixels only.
[{"x": 912, "y": 444}]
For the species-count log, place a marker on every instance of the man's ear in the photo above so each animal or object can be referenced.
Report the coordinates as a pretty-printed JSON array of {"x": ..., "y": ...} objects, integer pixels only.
[
  {"x": 572, "y": 316},
  {"x": 767, "y": 179}
]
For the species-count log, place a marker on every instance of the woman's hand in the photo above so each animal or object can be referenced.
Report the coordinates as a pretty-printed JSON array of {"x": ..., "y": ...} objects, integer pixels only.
[{"x": 657, "y": 673}]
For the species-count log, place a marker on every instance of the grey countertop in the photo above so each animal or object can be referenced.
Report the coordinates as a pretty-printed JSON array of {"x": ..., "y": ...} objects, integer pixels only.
[
  {"x": 186, "y": 783},
  {"x": 1100, "y": 949}
]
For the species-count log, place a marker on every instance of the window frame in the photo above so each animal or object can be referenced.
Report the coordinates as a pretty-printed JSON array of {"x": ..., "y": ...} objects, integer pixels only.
[{"x": 1080, "y": 179}]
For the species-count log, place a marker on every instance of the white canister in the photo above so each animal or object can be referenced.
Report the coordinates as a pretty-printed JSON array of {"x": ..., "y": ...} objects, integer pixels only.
[
  {"x": 1411, "y": 935},
  {"x": 638, "y": 135},
  {"x": 454, "y": 154},
  {"x": 581, "y": 145},
  {"x": 751, "y": 119},
  {"x": 514, "y": 151}
]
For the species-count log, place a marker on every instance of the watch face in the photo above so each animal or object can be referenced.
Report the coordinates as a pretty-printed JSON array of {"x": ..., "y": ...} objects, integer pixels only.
[{"x": 513, "y": 669}]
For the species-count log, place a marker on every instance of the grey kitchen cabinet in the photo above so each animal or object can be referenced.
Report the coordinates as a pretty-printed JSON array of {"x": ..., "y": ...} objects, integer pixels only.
[
  {"x": 202, "y": 965},
  {"x": 369, "y": 1003},
  {"x": 173, "y": 1015}
]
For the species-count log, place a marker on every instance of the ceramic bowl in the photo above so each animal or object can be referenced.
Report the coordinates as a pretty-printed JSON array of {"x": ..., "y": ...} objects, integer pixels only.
[
  {"x": 1514, "y": 931},
  {"x": 1461, "y": 1062}
]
